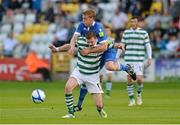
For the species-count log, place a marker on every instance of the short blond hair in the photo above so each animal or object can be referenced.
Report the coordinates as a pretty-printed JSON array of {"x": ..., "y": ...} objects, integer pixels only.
[{"x": 89, "y": 12}]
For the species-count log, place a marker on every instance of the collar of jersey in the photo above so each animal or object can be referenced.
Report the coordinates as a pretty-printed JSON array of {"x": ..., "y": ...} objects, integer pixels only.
[
  {"x": 91, "y": 25},
  {"x": 136, "y": 29}
]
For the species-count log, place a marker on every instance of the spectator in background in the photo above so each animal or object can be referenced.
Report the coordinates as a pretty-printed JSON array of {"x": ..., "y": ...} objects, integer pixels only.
[
  {"x": 14, "y": 4},
  {"x": 172, "y": 45},
  {"x": 146, "y": 4},
  {"x": 130, "y": 4},
  {"x": 119, "y": 19},
  {"x": 65, "y": 33},
  {"x": 71, "y": 30},
  {"x": 61, "y": 36},
  {"x": 49, "y": 13},
  {"x": 98, "y": 10},
  {"x": 36, "y": 5},
  {"x": 165, "y": 19},
  {"x": 156, "y": 5},
  {"x": 153, "y": 19},
  {"x": 160, "y": 44},
  {"x": 9, "y": 44},
  {"x": 137, "y": 9},
  {"x": 119, "y": 22},
  {"x": 158, "y": 29},
  {"x": 36, "y": 65},
  {"x": 176, "y": 22},
  {"x": 173, "y": 29},
  {"x": 142, "y": 23},
  {"x": 1, "y": 12},
  {"x": 174, "y": 8},
  {"x": 8, "y": 16}
]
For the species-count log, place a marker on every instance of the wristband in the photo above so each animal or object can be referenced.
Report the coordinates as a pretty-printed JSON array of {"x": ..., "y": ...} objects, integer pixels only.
[{"x": 57, "y": 49}]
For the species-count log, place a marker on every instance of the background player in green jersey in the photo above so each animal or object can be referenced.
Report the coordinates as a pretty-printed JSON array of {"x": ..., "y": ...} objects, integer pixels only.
[{"x": 137, "y": 44}]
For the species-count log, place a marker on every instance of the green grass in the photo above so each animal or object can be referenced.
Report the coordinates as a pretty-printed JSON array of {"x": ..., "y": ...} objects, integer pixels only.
[{"x": 161, "y": 104}]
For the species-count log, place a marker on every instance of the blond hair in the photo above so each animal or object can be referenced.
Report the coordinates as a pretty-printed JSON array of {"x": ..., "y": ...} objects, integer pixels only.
[{"x": 89, "y": 12}]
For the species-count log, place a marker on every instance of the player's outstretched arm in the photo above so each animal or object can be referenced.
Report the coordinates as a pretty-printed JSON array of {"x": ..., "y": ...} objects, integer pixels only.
[
  {"x": 72, "y": 44},
  {"x": 96, "y": 49},
  {"x": 63, "y": 48},
  {"x": 99, "y": 48}
]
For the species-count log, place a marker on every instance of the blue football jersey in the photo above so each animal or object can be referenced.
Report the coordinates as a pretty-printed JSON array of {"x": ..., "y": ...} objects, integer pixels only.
[{"x": 96, "y": 27}]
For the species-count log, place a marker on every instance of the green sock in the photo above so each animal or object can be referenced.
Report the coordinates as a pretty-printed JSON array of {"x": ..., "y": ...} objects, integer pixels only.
[
  {"x": 130, "y": 90},
  {"x": 139, "y": 89},
  {"x": 108, "y": 92},
  {"x": 69, "y": 103}
]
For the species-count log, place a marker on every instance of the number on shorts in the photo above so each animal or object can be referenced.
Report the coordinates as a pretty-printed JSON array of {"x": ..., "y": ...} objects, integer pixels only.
[{"x": 99, "y": 86}]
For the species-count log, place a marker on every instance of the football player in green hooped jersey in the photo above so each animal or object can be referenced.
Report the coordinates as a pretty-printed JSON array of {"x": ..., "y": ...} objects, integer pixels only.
[
  {"x": 86, "y": 72},
  {"x": 137, "y": 44}
]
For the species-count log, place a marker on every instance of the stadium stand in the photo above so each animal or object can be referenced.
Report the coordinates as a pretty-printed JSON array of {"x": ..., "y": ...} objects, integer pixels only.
[{"x": 37, "y": 23}]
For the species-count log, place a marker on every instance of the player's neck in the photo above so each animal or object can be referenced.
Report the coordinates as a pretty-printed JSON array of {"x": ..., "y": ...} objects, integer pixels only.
[
  {"x": 92, "y": 24},
  {"x": 134, "y": 28}
]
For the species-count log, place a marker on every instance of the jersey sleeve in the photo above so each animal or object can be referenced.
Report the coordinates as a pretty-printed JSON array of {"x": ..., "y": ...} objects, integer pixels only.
[
  {"x": 146, "y": 38},
  {"x": 79, "y": 29},
  {"x": 101, "y": 35},
  {"x": 123, "y": 40}
]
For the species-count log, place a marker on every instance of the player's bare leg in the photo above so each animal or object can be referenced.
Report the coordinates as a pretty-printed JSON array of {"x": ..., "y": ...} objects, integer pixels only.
[
  {"x": 108, "y": 84},
  {"x": 139, "y": 89},
  {"x": 115, "y": 66},
  {"x": 70, "y": 85},
  {"x": 99, "y": 104}
]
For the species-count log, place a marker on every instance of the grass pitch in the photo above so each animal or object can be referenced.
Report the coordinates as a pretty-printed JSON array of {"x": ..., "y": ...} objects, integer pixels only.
[{"x": 161, "y": 104}]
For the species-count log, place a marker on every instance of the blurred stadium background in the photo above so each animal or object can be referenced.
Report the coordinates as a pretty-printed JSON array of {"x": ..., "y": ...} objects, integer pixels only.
[{"x": 31, "y": 25}]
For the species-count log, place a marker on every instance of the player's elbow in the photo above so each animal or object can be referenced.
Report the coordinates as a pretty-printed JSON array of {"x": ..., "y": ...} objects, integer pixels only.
[{"x": 68, "y": 46}]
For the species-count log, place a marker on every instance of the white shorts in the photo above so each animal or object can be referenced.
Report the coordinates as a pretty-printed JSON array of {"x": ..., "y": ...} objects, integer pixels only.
[
  {"x": 92, "y": 82},
  {"x": 104, "y": 71},
  {"x": 138, "y": 68}
]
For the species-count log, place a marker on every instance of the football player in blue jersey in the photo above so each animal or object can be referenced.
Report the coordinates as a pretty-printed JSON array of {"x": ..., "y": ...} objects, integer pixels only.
[{"x": 109, "y": 56}]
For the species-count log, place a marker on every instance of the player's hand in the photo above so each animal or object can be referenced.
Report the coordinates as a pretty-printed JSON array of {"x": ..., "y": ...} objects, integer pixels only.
[
  {"x": 71, "y": 51},
  {"x": 85, "y": 51},
  {"x": 149, "y": 62},
  {"x": 53, "y": 48},
  {"x": 119, "y": 46}
]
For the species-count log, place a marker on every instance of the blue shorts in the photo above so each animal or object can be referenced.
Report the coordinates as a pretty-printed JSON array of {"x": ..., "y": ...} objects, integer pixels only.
[{"x": 108, "y": 55}]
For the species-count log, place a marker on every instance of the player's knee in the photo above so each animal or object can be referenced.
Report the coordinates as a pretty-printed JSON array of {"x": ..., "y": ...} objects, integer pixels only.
[
  {"x": 109, "y": 67},
  {"x": 139, "y": 80},
  {"x": 109, "y": 78},
  {"x": 99, "y": 105},
  {"x": 68, "y": 89}
]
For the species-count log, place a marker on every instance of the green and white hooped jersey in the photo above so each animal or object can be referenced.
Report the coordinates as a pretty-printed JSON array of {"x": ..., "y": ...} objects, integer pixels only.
[
  {"x": 88, "y": 64},
  {"x": 135, "y": 41}
]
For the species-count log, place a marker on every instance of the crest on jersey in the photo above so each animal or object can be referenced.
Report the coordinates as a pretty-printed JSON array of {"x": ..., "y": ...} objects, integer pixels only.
[{"x": 101, "y": 34}]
